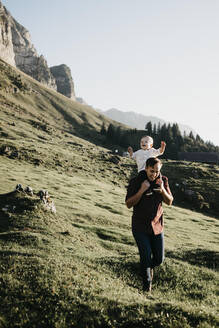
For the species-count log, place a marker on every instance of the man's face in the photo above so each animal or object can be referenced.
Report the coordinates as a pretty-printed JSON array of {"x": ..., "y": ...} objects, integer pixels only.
[
  {"x": 145, "y": 143},
  {"x": 153, "y": 171}
]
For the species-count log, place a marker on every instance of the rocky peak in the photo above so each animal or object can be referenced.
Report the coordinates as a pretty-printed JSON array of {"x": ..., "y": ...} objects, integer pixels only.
[
  {"x": 6, "y": 45},
  {"x": 64, "y": 81},
  {"x": 26, "y": 57},
  {"x": 16, "y": 49}
]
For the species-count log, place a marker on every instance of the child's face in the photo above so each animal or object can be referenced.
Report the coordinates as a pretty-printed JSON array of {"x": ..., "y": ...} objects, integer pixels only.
[{"x": 146, "y": 143}]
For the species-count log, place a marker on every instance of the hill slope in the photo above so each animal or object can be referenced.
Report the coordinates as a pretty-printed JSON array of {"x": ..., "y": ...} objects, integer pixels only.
[
  {"x": 79, "y": 267},
  {"x": 23, "y": 98}
]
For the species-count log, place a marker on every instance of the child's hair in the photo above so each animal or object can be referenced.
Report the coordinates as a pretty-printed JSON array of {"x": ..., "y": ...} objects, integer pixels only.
[
  {"x": 149, "y": 138},
  {"x": 152, "y": 161}
]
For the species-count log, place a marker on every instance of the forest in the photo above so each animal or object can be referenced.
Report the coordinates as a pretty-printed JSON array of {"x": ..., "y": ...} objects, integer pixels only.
[{"x": 170, "y": 133}]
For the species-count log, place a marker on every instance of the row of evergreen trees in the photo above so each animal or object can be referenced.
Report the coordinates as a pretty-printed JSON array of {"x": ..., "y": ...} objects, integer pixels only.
[{"x": 171, "y": 134}]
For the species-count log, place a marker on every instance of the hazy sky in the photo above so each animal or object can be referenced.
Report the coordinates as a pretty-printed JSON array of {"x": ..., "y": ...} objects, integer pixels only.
[{"x": 155, "y": 57}]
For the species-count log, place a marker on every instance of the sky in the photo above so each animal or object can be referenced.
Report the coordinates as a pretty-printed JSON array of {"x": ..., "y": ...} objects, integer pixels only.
[{"x": 153, "y": 57}]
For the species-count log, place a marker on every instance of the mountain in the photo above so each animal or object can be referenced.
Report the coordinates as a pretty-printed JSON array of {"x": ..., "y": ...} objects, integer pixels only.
[
  {"x": 64, "y": 81},
  {"x": 17, "y": 49},
  {"x": 138, "y": 121}
]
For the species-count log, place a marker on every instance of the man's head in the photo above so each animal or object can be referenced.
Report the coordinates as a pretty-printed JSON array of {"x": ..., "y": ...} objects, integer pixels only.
[
  {"x": 146, "y": 142},
  {"x": 153, "y": 167}
]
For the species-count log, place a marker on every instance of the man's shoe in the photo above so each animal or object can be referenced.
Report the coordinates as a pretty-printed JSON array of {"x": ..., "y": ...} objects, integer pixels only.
[{"x": 147, "y": 287}]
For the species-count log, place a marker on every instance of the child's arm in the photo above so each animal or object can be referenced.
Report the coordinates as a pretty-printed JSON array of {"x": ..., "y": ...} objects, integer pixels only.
[
  {"x": 130, "y": 150},
  {"x": 162, "y": 147}
]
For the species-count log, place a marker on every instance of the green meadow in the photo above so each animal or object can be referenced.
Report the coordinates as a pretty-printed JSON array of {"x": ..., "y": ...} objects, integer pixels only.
[{"x": 79, "y": 267}]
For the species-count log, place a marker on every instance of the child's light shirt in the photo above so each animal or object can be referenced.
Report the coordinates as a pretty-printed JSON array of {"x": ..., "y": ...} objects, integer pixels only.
[{"x": 142, "y": 155}]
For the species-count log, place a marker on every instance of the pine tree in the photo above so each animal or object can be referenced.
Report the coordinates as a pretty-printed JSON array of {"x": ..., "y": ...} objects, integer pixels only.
[
  {"x": 176, "y": 130},
  {"x": 154, "y": 131},
  {"x": 163, "y": 132},
  {"x": 117, "y": 136},
  {"x": 110, "y": 132},
  {"x": 158, "y": 128},
  {"x": 198, "y": 139},
  {"x": 191, "y": 135},
  {"x": 148, "y": 128},
  {"x": 103, "y": 130}
]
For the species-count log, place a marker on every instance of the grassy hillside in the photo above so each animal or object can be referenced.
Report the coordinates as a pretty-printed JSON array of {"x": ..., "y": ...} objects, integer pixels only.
[
  {"x": 195, "y": 185},
  {"x": 79, "y": 267},
  {"x": 41, "y": 108}
]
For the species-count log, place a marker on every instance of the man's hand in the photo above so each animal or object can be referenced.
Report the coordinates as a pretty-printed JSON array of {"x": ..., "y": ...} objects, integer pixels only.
[
  {"x": 167, "y": 196},
  {"x": 159, "y": 186},
  {"x": 145, "y": 186},
  {"x": 133, "y": 200}
]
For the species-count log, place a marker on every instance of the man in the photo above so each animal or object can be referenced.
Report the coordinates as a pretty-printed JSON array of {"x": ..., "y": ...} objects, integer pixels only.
[{"x": 145, "y": 194}]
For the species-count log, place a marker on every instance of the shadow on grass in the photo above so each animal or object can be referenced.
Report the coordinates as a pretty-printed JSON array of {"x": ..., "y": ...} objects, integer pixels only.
[
  {"x": 126, "y": 268},
  {"x": 24, "y": 238},
  {"x": 14, "y": 253},
  {"x": 4, "y": 221},
  {"x": 109, "y": 208},
  {"x": 199, "y": 257},
  {"x": 49, "y": 311},
  {"x": 107, "y": 234},
  {"x": 169, "y": 276}
]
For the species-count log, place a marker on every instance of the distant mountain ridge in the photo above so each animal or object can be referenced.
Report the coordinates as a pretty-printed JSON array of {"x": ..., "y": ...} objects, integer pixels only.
[{"x": 138, "y": 121}]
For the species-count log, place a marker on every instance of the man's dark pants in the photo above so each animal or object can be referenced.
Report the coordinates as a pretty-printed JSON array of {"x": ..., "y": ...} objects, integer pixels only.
[{"x": 151, "y": 251}]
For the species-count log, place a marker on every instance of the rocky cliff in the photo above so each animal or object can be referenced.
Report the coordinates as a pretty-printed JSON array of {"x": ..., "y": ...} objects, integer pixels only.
[
  {"x": 27, "y": 59},
  {"x": 17, "y": 49},
  {"x": 6, "y": 45},
  {"x": 64, "y": 81}
]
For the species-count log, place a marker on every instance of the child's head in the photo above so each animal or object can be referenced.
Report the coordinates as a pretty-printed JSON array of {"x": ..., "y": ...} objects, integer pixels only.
[{"x": 146, "y": 142}]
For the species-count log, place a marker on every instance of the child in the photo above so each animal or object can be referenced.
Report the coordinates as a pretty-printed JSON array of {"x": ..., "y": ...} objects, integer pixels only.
[{"x": 146, "y": 151}]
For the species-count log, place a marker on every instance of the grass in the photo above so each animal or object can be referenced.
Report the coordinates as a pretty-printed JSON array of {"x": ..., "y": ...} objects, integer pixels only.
[
  {"x": 201, "y": 178},
  {"x": 79, "y": 267}
]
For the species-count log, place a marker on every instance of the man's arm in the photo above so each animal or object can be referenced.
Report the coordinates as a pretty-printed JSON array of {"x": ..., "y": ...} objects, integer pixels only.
[
  {"x": 166, "y": 194},
  {"x": 133, "y": 200},
  {"x": 167, "y": 198}
]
